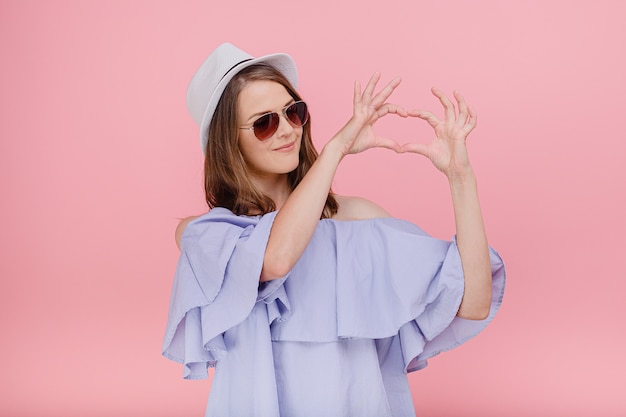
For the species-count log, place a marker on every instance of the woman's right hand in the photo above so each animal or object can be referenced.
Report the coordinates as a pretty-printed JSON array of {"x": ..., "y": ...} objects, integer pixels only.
[{"x": 358, "y": 134}]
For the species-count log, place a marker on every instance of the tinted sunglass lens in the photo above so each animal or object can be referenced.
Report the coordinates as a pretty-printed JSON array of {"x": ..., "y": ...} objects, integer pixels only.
[
  {"x": 265, "y": 126},
  {"x": 297, "y": 113}
]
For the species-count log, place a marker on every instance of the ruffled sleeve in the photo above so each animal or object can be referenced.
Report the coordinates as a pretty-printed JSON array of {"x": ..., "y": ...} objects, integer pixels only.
[
  {"x": 393, "y": 280},
  {"x": 216, "y": 286}
]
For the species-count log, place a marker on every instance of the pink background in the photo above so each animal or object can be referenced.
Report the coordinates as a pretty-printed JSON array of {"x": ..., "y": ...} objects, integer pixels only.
[{"x": 98, "y": 159}]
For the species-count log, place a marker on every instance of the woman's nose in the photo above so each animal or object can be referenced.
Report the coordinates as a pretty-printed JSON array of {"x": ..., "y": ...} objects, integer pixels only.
[{"x": 284, "y": 125}]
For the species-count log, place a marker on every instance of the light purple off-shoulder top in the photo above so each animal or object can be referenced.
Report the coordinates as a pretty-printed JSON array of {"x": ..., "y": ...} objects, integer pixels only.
[{"x": 368, "y": 301}]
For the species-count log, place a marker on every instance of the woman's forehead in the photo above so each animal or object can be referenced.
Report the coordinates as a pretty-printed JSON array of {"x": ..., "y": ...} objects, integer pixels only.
[{"x": 261, "y": 96}]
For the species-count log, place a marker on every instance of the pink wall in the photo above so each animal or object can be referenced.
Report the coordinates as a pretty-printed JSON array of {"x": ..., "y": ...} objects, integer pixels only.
[{"x": 98, "y": 158}]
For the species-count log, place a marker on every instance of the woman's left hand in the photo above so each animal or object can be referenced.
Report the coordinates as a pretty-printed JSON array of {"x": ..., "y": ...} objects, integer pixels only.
[{"x": 447, "y": 151}]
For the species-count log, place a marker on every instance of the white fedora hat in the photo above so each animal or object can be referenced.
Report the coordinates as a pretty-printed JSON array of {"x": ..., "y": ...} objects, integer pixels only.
[{"x": 208, "y": 83}]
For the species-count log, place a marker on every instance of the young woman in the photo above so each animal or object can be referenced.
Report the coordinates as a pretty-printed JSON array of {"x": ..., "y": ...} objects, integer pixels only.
[{"x": 309, "y": 303}]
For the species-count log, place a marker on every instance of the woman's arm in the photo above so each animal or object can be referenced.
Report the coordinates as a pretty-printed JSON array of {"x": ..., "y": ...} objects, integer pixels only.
[
  {"x": 448, "y": 152},
  {"x": 297, "y": 219},
  {"x": 471, "y": 241}
]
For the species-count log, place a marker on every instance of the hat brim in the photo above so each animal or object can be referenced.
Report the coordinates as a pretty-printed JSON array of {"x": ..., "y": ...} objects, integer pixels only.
[{"x": 282, "y": 62}]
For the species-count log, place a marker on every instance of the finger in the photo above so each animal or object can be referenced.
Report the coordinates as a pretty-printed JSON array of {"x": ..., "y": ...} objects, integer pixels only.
[
  {"x": 357, "y": 93},
  {"x": 463, "y": 112},
  {"x": 384, "y": 94},
  {"x": 450, "y": 112},
  {"x": 473, "y": 115},
  {"x": 371, "y": 85},
  {"x": 471, "y": 121},
  {"x": 432, "y": 120},
  {"x": 390, "y": 108},
  {"x": 388, "y": 144},
  {"x": 418, "y": 148}
]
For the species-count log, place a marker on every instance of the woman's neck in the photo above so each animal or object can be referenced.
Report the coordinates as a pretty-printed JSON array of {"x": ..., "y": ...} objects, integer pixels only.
[{"x": 276, "y": 187}]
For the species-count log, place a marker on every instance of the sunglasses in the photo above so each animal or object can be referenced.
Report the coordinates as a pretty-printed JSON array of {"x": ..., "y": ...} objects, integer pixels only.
[{"x": 266, "y": 125}]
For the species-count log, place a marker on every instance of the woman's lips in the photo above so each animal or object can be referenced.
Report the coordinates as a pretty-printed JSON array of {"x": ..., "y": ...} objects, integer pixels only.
[{"x": 286, "y": 148}]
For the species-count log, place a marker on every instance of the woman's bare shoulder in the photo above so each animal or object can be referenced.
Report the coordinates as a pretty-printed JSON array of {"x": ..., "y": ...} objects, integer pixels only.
[
  {"x": 358, "y": 208},
  {"x": 178, "y": 234}
]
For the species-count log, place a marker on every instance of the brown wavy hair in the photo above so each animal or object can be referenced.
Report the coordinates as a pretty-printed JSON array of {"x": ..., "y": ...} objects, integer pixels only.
[{"x": 226, "y": 179}]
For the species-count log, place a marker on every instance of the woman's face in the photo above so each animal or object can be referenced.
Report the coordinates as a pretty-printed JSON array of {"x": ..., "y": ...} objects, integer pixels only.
[{"x": 278, "y": 154}]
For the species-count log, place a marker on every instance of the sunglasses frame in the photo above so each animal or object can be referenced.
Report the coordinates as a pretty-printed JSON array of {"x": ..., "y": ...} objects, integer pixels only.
[{"x": 277, "y": 115}]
